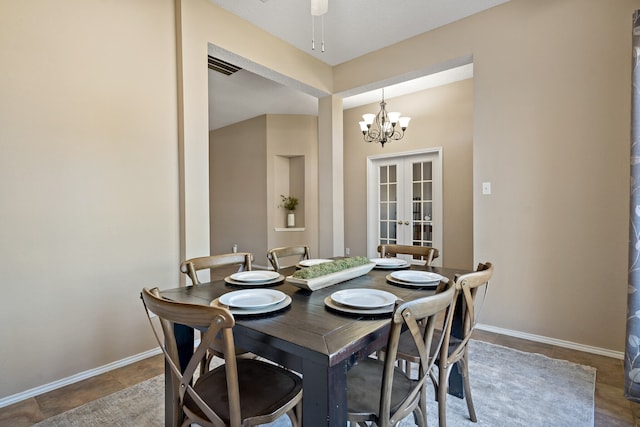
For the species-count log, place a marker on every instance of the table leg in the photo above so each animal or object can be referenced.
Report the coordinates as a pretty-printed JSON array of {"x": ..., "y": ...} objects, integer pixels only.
[{"x": 324, "y": 400}]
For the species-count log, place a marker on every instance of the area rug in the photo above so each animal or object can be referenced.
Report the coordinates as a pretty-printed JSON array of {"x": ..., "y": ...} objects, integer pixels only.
[{"x": 510, "y": 388}]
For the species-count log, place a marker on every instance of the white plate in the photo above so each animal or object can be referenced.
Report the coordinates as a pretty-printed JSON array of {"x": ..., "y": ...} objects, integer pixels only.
[
  {"x": 363, "y": 298},
  {"x": 390, "y": 262},
  {"x": 252, "y": 298},
  {"x": 254, "y": 276},
  {"x": 254, "y": 311},
  {"x": 413, "y": 276},
  {"x": 396, "y": 282},
  {"x": 352, "y": 310},
  {"x": 272, "y": 282},
  {"x": 310, "y": 262}
]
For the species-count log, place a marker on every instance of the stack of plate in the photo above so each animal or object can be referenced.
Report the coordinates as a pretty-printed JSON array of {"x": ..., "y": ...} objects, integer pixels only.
[
  {"x": 310, "y": 262},
  {"x": 390, "y": 263},
  {"x": 413, "y": 278},
  {"x": 254, "y": 278},
  {"x": 254, "y": 301},
  {"x": 361, "y": 301}
]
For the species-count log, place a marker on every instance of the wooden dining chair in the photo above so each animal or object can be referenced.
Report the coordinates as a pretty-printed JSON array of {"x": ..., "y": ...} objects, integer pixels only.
[
  {"x": 455, "y": 347},
  {"x": 424, "y": 253},
  {"x": 191, "y": 266},
  {"x": 276, "y": 254},
  {"x": 381, "y": 393},
  {"x": 240, "y": 392}
]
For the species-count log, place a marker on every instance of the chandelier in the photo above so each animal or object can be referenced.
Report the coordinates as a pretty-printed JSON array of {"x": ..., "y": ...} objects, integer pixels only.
[{"x": 383, "y": 127}]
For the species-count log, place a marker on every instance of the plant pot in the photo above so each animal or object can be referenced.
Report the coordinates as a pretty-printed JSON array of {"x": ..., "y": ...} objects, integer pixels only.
[{"x": 291, "y": 219}]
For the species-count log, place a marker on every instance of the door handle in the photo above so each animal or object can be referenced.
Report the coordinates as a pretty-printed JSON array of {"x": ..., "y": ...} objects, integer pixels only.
[{"x": 406, "y": 223}]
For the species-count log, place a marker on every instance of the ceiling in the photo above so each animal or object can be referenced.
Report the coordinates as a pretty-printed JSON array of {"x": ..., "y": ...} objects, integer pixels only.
[{"x": 350, "y": 30}]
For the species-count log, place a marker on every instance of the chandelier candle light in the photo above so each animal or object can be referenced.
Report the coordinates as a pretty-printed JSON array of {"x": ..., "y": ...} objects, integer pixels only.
[{"x": 383, "y": 127}]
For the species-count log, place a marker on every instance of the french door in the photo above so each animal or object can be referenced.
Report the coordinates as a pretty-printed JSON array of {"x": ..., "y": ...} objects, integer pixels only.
[{"x": 404, "y": 204}]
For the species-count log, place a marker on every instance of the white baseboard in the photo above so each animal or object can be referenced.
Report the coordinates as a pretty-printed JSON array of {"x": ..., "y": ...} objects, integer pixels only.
[
  {"x": 18, "y": 397},
  {"x": 553, "y": 341}
]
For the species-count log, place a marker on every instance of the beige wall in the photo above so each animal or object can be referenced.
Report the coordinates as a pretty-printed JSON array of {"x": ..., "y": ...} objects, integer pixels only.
[
  {"x": 238, "y": 171},
  {"x": 551, "y": 132},
  {"x": 88, "y": 182},
  {"x": 440, "y": 117}
]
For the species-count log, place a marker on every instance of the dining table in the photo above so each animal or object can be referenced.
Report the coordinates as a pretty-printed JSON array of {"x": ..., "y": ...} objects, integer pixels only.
[{"x": 307, "y": 337}]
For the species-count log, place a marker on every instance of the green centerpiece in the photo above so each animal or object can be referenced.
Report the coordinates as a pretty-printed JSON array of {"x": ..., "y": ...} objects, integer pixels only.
[{"x": 330, "y": 267}]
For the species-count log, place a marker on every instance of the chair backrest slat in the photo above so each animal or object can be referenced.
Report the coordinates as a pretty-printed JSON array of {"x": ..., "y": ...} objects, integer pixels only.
[
  {"x": 425, "y": 253},
  {"x": 276, "y": 254},
  {"x": 191, "y": 266}
]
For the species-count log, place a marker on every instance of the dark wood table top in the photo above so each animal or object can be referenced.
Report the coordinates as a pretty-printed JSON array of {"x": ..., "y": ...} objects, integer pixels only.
[{"x": 317, "y": 332}]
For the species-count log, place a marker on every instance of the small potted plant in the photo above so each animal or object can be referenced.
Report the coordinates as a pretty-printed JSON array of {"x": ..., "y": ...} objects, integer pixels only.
[{"x": 290, "y": 203}]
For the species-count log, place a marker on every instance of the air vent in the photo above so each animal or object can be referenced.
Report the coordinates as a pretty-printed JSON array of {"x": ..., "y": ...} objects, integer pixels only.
[{"x": 221, "y": 66}]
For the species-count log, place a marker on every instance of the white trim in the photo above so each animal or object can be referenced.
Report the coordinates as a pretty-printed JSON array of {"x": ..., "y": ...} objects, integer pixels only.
[
  {"x": 36, "y": 391},
  {"x": 405, "y": 153},
  {"x": 289, "y": 229},
  {"x": 553, "y": 341}
]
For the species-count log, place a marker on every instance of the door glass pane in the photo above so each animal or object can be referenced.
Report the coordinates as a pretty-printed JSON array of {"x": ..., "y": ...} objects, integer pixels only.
[
  {"x": 393, "y": 195},
  {"x": 417, "y": 191},
  {"x": 427, "y": 189},
  {"x": 393, "y": 211},
  {"x": 416, "y": 172},
  {"x": 426, "y": 211},
  {"x": 392, "y": 232},
  {"x": 384, "y": 211},
  {"x": 417, "y": 233},
  {"x": 416, "y": 211},
  {"x": 383, "y": 174},
  {"x": 384, "y": 194},
  {"x": 392, "y": 173},
  {"x": 383, "y": 229},
  {"x": 427, "y": 169}
]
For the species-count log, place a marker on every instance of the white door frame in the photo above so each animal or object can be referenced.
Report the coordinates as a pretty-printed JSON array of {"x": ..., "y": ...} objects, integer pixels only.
[{"x": 372, "y": 202}]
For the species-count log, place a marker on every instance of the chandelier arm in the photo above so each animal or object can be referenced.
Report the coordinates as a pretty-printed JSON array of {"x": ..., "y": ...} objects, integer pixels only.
[
  {"x": 372, "y": 135},
  {"x": 397, "y": 134}
]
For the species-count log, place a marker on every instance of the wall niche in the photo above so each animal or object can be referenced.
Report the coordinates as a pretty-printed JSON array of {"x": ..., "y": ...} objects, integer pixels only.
[{"x": 289, "y": 181}]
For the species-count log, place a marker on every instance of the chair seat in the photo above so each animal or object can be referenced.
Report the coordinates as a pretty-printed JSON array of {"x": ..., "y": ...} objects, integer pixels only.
[
  {"x": 365, "y": 383},
  {"x": 264, "y": 388}
]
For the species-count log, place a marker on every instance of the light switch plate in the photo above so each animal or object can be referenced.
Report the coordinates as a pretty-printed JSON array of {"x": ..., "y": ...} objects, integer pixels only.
[{"x": 486, "y": 188}]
